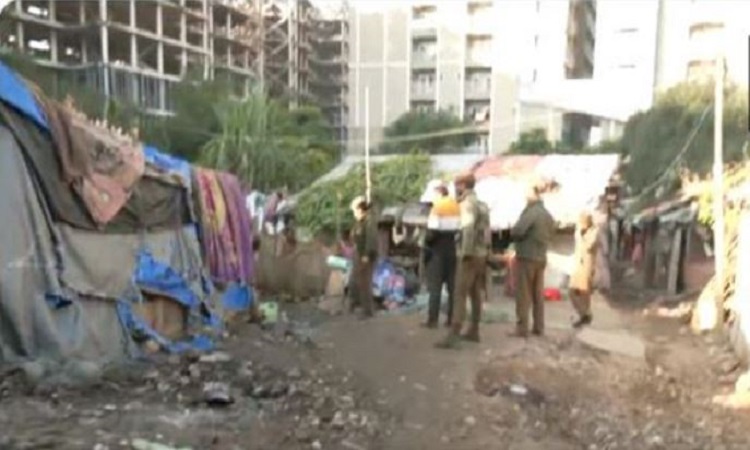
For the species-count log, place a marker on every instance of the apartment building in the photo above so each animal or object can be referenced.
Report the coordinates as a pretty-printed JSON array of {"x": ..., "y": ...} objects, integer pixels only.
[
  {"x": 329, "y": 62},
  {"x": 136, "y": 50},
  {"x": 694, "y": 33},
  {"x": 472, "y": 57}
]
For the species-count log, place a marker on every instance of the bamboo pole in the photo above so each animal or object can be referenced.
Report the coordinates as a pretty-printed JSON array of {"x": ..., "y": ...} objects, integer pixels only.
[
  {"x": 718, "y": 172},
  {"x": 368, "y": 180}
]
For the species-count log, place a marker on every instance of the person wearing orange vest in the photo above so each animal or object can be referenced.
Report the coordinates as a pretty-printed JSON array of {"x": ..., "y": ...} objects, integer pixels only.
[{"x": 440, "y": 246}]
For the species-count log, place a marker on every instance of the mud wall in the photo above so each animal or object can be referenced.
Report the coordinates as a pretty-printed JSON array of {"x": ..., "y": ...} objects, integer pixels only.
[{"x": 297, "y": 270}]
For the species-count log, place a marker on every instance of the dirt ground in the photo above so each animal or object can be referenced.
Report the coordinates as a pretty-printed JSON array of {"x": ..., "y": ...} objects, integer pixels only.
[{"x": 323, "y": 382}]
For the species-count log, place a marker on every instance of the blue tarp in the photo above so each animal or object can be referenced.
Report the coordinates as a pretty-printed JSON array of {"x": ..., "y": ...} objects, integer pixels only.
[
  {"x": 160, "y": 278},
  {"x": 139, "y": 327},
  {"x": 237, "y": 297},
  {"x": 14, "y": 92},
  {"x": 169, "y": 163}
]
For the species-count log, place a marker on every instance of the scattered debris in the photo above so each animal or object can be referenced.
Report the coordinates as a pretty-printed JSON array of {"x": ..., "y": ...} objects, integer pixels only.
[
  {"x": 217, "y": 394},
  {"x": 142, "y": 444}
]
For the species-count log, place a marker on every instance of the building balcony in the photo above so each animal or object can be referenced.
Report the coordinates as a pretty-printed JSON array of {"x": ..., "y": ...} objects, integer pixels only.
[
  {"x": 422, "y": 94},
  {"x": 330, "y": 81},
  {"x": 420, "y": 61},
  {"x": 477, "y": 94},
  {"x": 332, "y": 60},
  {"x": 480, "y": 25},
  {"x": 424, "y": 29},
  {"x": 479, "y": 60}
]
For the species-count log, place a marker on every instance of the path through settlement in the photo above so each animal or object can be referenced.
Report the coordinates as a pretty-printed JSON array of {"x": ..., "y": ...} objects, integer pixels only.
[{"x": 322, "y": 382}]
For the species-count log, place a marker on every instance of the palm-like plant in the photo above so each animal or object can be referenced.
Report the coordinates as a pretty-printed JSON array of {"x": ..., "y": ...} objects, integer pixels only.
[{"x": 261, "y": 144}]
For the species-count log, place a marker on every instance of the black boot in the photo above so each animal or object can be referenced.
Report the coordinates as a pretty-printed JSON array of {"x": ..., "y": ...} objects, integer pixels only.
[{"x": 583, "y": 321}]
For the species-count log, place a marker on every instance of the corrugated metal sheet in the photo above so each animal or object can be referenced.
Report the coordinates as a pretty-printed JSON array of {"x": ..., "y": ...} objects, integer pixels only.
[
  {"x": 581, "y": 180},
  {"x": 507, "y": 166}
]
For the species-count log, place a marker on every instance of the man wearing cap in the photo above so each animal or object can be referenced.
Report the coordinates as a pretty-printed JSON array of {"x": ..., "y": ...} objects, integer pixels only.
[
  {"x": 440, "y": 246},
  {"x": 365, "y": 237},
  {"x": 473, "y": 249},
  {"x": 531, "y": 236}
]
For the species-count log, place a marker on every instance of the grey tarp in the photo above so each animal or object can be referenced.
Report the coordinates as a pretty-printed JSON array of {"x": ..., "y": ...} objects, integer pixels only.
[
  {"x": 38, "y": 318},
  {"x": 103, "y": 265},
  {"x": 154, "y": 204}
]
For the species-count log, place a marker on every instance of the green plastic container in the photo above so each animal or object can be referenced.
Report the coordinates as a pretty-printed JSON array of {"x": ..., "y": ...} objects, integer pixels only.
[{"x": 338, "y": 263}]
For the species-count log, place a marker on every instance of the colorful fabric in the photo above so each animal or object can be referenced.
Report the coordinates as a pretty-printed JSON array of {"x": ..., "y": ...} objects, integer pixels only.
[
  {"x": 218, "y": 247},
  {"x": 240, "y": 224},
  {"x": 227, "y": 240},
  {"x": 101, "y": 165}
]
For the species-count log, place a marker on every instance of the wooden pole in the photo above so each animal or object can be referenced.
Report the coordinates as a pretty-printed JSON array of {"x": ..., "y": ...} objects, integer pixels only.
[
  {"x": 718, "y": 173},
  {"x": 368, "y": 180}
]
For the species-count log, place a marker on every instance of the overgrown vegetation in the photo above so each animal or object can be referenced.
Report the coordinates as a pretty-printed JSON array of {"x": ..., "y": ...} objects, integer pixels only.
[
  {"x": 269, "y": 146},
  {"x": 653, "y": 139},
  {"x": 410, "y": 132},
  {"x": 535, "y": 142},
  {"x": 325, "y": 207}
]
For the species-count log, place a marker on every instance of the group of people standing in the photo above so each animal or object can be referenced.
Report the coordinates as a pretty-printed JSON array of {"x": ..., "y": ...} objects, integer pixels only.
[{"x": 457, "y": 245}]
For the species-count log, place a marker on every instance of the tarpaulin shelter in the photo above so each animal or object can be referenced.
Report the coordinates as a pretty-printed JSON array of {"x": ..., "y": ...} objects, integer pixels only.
[{"x": 72, "y": 286}]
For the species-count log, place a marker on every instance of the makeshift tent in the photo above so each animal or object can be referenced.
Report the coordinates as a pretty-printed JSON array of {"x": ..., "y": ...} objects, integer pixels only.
[{"x": 74, "y": 286}]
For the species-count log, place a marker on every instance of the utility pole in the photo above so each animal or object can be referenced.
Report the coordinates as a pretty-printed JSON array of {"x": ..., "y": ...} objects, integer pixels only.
[
  {"x": 718, "y": 175},
  {"x": 368, "y": 180}
]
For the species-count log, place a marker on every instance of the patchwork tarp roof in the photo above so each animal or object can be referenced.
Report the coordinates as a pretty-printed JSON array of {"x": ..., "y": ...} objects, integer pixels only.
[
  {"x": 67, "y": 284},
  {"x": 581, "y": 180}
]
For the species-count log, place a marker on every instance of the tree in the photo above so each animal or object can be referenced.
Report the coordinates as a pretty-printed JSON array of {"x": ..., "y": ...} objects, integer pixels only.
[
  {"x": 430, "y": 131},
  {"x": 399, "y": 180},
  {"x": 653, "y": 139},
  {"x": 532, "y": 142},
  {"x": 195, "y": 120},
  {"x": 267, "y": 145}
]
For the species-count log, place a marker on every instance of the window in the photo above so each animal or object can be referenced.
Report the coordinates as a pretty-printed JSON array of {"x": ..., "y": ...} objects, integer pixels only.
[{"x": 423, "y": 83}]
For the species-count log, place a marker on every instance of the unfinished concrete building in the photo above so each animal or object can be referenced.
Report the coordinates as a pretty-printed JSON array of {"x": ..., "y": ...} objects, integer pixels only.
[
  {"x": 286, "y": 49},
  {"x": 136, "y": 50},
  {"x": 329, "y": 63},
  {"x": 306, "y": 56}
]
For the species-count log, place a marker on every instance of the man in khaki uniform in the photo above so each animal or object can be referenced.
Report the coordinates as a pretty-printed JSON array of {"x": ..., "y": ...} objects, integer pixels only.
[
  {"x": 531, "y": 236},
  {"x": 365, "y": 238},
  {"x": 473, "y": 249}
]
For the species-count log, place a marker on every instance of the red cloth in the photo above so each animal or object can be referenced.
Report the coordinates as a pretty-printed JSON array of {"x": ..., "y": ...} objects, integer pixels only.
[{"x": 552, "y": 294}]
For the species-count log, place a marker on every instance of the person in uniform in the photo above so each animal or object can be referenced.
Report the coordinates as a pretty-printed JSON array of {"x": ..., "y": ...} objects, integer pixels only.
[
  {"x": 473, "y": 249},
  {"x": 582, "y": 278},
  {"x": 440, "y": 248},
  {"x": 531, "y": 236},
  {"x": 365, "y": 236}
]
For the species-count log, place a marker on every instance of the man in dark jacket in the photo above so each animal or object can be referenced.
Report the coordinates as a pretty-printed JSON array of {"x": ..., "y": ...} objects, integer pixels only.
[
  {"x": 365, "y": 236},
  {"x": 473, "y": 249},
  {"x": 440, "y": 244},
  {"x": 531, "y": 236}
]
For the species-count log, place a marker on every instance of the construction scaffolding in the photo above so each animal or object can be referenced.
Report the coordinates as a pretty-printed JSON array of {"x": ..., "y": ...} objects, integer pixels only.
[
  {"x": 329, "y": 64},
  {"x": 135, "y": 51}
]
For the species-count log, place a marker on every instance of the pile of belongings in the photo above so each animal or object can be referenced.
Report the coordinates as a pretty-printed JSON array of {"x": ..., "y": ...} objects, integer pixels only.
[{"x": 110, "y": 243}]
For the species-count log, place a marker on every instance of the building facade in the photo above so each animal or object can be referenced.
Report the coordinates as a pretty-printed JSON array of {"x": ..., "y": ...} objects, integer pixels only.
[
  {"x": 135, "y": 51},
  {"x": 472, "y": 57},
  {"x": 694, "y": 33}
]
